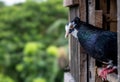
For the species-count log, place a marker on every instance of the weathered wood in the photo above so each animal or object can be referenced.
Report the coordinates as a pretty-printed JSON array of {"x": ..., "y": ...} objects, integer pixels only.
[
  {"x": 113, "y": 15},
  {"x": 82, "y": 55},
  {"x": 68, "y": 77},
  {"x": 73, "y": 44},
  {"x": 98, "y": 23},
  {"x": 98, "y": 18},
  {"x": 103, "y": 7},
  {"x": 112, "y": 77},
  {"x": 111, "y": 18},
  {"x": 91, "y": 9},
  {"x": 118, "y": 29},
  {"x": 78, "y": 57},
  {"x": 82, "y": 10},
  {"x": 69, "y": 3},
  {"x": 78, "y": 62},
  {"x": 83, "y": 66}
]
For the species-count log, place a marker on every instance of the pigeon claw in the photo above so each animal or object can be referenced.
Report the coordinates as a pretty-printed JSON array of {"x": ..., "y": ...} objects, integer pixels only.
[{"x": 105, "y": 71}]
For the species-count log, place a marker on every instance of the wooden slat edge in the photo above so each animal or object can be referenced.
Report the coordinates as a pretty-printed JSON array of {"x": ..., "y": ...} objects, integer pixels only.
[
  {"x": 82, "y": 54},
  {"x": 91, "y": 10},
  {"x": 69, "y": 3},
  {"x": 118, "y": 29}
]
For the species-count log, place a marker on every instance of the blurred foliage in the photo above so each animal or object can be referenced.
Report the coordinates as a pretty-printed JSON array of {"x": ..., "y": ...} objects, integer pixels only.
[
  {"x": 30, "y": 36},
  {"x": 4, "y": 78},
  {"x": 1, "y": 4}
]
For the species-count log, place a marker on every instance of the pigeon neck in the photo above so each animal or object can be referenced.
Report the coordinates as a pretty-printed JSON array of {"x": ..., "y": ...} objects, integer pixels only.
[{"x": 74, "y": 33}]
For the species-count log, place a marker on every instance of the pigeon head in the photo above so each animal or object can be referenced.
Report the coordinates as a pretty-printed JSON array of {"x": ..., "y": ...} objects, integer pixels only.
[{"x": 71, "y": 26}]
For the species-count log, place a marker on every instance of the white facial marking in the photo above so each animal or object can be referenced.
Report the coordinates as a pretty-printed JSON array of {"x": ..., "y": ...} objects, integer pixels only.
[
  {"x": 67, "y": 28},
  {"x": 74, "y": 33},
  {"x": 73, "y": 23},
  {"x": 67, "y": 31}
]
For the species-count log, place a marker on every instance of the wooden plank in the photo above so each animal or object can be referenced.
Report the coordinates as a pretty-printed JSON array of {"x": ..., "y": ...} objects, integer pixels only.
[
  {"x": 113, "y": 11},
  {"x": 82, "y": 10},
  {"x": 73, "y": 44},
  {"x": 83, "y": 66},
  {"x": 98, "y": 23},
  {"x": 118, "y": 28},
  {"x": 91, "y": 9},
  {"x": 103, "y": 7},
  {"x": 69, "y": 3},
  {"x": 98, "y": 18},
  {"x": 82, "y": 55},
  {"x": 78, "y": 61},
  {"x": 112, "y": 77}
]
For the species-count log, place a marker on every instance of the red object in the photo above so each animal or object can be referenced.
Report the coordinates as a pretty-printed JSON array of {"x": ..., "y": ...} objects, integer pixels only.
[{"x": 105, "y": 71}]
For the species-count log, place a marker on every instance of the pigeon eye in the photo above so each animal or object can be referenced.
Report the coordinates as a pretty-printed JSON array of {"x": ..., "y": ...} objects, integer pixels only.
[
  {"x": 71, "y": 26},
  {"x": 71, "y": 30}
]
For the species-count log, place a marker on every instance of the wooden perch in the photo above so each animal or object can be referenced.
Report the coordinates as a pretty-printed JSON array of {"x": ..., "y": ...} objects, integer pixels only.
[{"x": 110, "y": 77}]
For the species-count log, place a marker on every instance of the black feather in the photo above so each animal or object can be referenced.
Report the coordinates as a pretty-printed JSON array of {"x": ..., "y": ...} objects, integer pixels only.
[{"x": 98, "y": 43}]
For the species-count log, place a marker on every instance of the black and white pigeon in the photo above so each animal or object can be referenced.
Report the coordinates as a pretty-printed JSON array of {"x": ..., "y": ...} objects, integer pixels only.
[{"x": 98, "y": 43}]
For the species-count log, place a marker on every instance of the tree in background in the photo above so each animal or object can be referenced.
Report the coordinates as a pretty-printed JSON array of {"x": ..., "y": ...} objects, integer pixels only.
[
  {"x": 2, "y": 4},
  {"x": 30, "y": 34}
]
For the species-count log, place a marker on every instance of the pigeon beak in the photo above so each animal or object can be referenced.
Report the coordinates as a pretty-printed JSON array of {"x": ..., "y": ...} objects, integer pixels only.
[{"x": 66, "y": 35}]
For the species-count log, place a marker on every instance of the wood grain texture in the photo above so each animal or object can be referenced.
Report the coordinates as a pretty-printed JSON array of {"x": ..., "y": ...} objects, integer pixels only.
[
  {"x": 103, "y": 7},
  {"x": 69, "y": 3},
  {"x": 98, "y": 18},
  {"x": 91, "y": 9},
  {"x": 77, "y": 56},
  {"x": 83, "y": 56},
  {"x": 118, "y": 29},
  {"x": 73, "y": 44},
  {"x": 113, "y": 15}
]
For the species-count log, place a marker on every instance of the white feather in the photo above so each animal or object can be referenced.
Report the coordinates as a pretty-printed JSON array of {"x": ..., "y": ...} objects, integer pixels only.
[{"x": 74, "y": 33}]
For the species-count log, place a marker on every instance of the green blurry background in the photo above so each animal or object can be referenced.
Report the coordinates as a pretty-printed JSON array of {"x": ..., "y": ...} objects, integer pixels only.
[{"x": 31, "y": 37}]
